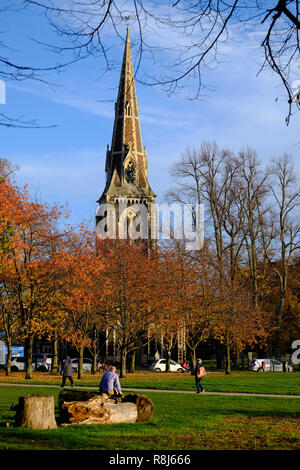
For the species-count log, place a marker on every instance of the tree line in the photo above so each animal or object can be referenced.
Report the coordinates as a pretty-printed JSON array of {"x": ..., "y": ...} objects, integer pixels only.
[
  {"x": 252, "y": 231},
  {"x": 241, "y": 290}
]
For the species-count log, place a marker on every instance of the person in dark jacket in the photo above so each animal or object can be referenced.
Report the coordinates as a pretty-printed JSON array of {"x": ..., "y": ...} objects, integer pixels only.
[
  {"x": 67, "y": 372},
  {"x": 198, "y": 380}
]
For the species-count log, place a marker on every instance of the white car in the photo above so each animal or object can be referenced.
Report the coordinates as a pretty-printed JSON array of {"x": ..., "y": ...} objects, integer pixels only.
[
  {"x": 18, "y": 363},
  {"x": 161, "y": 364},
  {"x": 87, "y": 364},
  {"x": 270, "y": 366}
]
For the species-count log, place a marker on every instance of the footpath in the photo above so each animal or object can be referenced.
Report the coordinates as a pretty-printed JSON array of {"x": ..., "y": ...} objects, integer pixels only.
[{"x": 232, "y": 394}]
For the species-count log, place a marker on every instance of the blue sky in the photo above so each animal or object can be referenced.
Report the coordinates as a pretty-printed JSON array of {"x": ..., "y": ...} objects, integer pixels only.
[{"x": 66, "y": 163}]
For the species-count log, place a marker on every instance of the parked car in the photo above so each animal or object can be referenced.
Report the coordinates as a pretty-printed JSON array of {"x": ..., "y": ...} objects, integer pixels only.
[
  {"x": 161, "y": 364},
  {"x": 271, "y": 365},
  {"x": 18, "y": 364},
  {"x": 87, "y": 364},
  {"x": 42, "y": 357}
]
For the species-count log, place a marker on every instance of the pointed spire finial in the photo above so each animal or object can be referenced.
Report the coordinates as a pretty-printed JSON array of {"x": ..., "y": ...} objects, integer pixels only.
[
  {"x": 127, "y": 35},
  {"x": 127, "y": 18}
]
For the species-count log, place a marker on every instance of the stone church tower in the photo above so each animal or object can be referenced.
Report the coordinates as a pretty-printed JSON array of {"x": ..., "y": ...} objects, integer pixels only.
[{"x": 127, "y": 202}]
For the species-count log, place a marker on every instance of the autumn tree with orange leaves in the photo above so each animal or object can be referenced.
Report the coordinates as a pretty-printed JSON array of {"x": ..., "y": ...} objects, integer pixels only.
[
  {"x": 9, "y": 204},
  {"x": 30, "y": 229},
  {"x": 178, "y": 302},
  {"x": 132, "y": 292},
  {"x": 235, "y": 321},
  {"x": 79, "y": 292}
]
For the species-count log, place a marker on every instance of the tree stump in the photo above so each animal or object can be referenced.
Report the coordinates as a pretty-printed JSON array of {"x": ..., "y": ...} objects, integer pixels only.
[
  {"x": 35, "y": 412},
  {"x": 98, "y": 410}
]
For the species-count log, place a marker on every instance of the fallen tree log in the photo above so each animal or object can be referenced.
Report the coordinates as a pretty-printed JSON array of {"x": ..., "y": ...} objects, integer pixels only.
[
  {"x": 145, "y": 406},
  {"x": 98, "y": 410},
  {"x": 35, "y": 412},
  {"x": 72, "y": 395},
  {"x": 75, "y": 395}
]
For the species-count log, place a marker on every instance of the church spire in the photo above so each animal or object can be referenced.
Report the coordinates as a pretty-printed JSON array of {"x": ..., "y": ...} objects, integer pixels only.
[
  {"x": 127, "y": 196},
  {"x": 127, "y": 133},
  {"x": 126, "y": 161}
]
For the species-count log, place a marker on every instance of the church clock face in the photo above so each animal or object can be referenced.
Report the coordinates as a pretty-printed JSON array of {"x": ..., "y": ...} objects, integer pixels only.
[{"x": 130, "y": 173}]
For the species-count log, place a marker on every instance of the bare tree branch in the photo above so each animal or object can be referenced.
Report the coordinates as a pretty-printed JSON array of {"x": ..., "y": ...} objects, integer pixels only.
[{"x": 197, "y": 30}]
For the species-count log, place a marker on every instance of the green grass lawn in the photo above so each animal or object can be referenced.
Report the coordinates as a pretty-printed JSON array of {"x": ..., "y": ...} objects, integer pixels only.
[
  {"x": 180, "y": 422},
  {"x": 244, "y": 382}
]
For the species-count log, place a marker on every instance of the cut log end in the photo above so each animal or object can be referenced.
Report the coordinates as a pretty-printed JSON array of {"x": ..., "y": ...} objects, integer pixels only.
[{"x": 145, "y": 406}]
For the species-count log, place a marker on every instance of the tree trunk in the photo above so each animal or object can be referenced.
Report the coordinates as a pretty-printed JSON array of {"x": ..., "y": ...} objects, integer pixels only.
[
  {"x": 54, "y": 362},
  {"x": 8, "y": 361},
  {"x": 35, "y": 412},
  {"x": 80, "y": 363},
  {"x": 94, "y": 350},
  {"x": 28, "y": 356},
  {"x": 238, "y": 359},
  {"x": 94, "y": 364},
  {"x": 123, "y": 362},
  {"x": 227, "y": 370},
  {"x": 278, "y": 324},
  {"x": 193, "y": 359},
  {"x": 132, "y": 362},
  {"x": 168, "y": 360}
]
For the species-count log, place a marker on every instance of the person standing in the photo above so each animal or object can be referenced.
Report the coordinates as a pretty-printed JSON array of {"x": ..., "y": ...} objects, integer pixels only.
[
  {"x": 67, "y": 372},
  {"x": 110, "y": 383},
  {"x": 199, "y": 374}
]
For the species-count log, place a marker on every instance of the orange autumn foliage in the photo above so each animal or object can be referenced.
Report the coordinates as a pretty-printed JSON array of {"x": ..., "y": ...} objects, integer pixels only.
[
  {"x": 132, "y": 293},
  {"x": 31, "y": 236}
]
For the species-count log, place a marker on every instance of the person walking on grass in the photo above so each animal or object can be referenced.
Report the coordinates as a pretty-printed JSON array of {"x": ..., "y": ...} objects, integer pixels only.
[
  {"x": 199, "y": 374},
  {"x": 67, "y": 372},
  {"x": 110, "y": 383}
]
